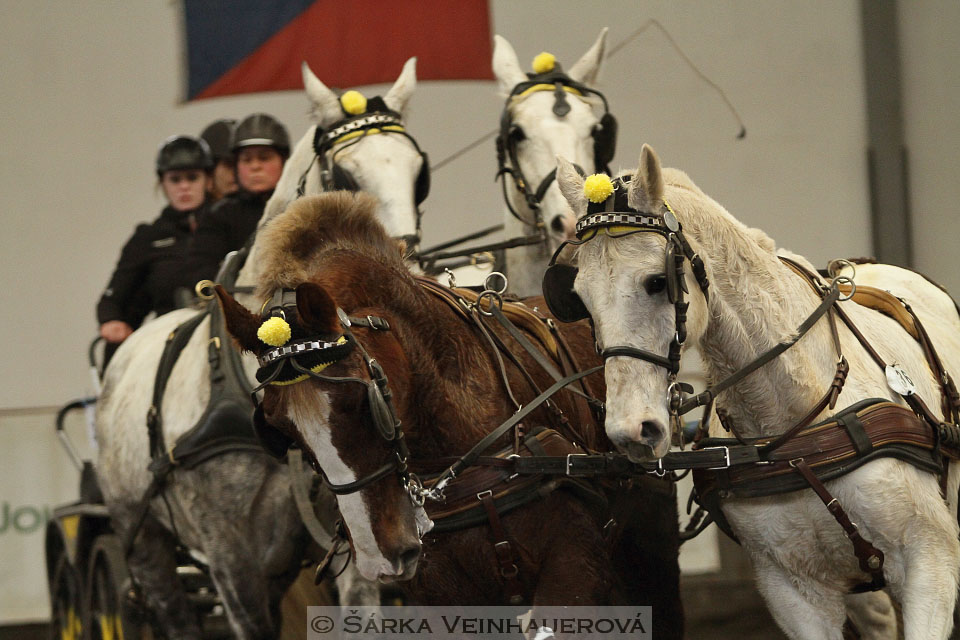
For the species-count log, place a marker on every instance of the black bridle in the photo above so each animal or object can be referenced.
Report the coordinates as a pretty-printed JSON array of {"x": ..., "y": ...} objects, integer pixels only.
[
  {"x": 616, "y": 218},
  {"x": 329, "y": 142},
  {"x": 280, "y": 366},
  {"x": 604, "y": 135}
]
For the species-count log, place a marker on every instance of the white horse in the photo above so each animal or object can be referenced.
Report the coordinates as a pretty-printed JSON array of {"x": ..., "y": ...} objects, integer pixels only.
[
  {"x": 802, "y": 559},
  {"x": 236, "y": 509},
  {"x": 539, "y": 136}
]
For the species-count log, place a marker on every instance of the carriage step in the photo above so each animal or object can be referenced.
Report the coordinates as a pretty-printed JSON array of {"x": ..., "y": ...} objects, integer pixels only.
[
  {"x": 193, "y": 579},
  {"x": 204, "y": 600},
  {"x": 216, "y": 627}
]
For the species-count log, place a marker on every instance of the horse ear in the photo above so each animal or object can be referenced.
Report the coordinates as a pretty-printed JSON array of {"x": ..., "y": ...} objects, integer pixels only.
[
  {"x": 587, "y": 68},
  {"x": 403, "y": 88},
  {"x": 571, "y": 186},
  {"x": 646, "y": 190},
  {"x": 505, "y": 65},
  {"x": 241, "y": 324},
  {"x": 326, "y": 104},
  {"x": 317, "y": 309}
]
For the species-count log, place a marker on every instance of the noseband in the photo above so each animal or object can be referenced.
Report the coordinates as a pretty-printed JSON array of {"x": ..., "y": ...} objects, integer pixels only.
[
  {"x": 604, "y": 135},
  {"x": 283, "y": 366}
]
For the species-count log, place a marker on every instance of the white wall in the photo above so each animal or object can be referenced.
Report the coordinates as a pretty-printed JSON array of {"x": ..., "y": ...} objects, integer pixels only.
[
  {"x": 89, "y": 91},
  {"x": 931, "y": 102}
]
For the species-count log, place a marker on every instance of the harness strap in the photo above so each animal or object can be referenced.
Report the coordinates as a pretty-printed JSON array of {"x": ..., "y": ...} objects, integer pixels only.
[
  {"x": 545, "y": 363},
  {"x": 301, "y": 498},
  {"x": 175, "y": 344},
  {"x": 705, "y": 396},
  {"x": 503, "y": 550},
  {"x": 468, "y": 458},
  {"x": 869, "y": 557}
]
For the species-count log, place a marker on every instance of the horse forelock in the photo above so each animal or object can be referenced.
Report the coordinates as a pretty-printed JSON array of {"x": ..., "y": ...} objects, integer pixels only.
[{"x": 293, "y": 242}]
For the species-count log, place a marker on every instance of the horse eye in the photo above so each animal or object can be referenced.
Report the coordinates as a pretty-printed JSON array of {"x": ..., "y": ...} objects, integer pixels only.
[{"x": 655, "y": 283}]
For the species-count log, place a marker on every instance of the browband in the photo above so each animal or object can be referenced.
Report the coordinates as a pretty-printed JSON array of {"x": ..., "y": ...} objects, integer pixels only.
[
  {"x": 325, "y": 138},
  {"x": 304, "y": 346}
]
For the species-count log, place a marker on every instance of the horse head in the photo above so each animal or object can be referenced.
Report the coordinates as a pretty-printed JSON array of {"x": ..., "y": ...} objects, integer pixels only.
[
  {"x": 333, "y": 374},
  {"x": 359, "y": 143},
  {"x": 630, "y": 278},
  {"x": 548, "y": 113}
]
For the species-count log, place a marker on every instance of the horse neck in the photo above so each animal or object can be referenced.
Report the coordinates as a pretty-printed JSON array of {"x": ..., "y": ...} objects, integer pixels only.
[
  {"x": 525, "y": 265},
  {"x": 452, "y": 387},
  {"x": 756, "y": 302}
]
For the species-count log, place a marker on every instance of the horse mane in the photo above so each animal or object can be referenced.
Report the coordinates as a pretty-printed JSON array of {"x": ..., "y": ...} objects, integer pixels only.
[{"x": 291, "y": 242}]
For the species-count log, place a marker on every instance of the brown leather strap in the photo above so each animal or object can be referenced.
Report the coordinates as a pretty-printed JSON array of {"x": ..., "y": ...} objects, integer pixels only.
[
  {"x": 829, "y": 397},
  {"x": 950, "y": 397},
  {"x": 869, "y": 557},
  {"x": 503, "y": 550}
]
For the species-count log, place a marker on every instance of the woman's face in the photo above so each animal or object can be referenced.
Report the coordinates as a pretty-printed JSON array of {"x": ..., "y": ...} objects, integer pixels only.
[
  {"x": 259, "y": 168},
  {"x": 224, "y": 178},
  {"x": 185, "y": 188}
]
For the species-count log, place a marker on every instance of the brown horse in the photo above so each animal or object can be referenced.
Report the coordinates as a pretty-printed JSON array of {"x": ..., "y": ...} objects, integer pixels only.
[{"x": 362, "y": 327}]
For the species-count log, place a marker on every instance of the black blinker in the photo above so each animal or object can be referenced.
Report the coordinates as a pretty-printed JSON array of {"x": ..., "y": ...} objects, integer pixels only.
[
  {"x": 380, "y": 412},
  {"x": 270, "y": 437},
  {"x": 559, "y": 295}
]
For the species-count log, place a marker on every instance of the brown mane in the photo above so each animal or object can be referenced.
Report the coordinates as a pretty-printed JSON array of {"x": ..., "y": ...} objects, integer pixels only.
[{"x": 292, "y": 241}]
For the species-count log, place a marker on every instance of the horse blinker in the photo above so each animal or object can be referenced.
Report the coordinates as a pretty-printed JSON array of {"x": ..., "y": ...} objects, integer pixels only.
[{"x": 561, "y": 299}]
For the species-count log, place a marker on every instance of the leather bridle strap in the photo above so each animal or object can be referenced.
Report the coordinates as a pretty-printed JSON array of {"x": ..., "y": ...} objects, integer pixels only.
[
  {"x": 706, "y": 396},
  {"x": 639, "y": 354}
]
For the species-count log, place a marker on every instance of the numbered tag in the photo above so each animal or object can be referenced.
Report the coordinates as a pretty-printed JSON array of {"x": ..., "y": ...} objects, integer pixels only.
[{"x": 899, "y": 381}]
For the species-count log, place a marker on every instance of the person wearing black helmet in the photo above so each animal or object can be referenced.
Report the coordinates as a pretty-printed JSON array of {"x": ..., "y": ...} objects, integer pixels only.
[
  {"x": 261, "y": 146},
  {"x": 218, "y": 136},
  {"x": 148, "y": 271}
]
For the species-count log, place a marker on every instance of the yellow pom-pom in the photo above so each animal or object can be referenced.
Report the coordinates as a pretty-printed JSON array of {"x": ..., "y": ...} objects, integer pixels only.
[
  {"x": 544, "y": 62},
  {"x": 353, "y": 102},
  {"x": 274, "y": 332},
  {"x": 597, "y": 187}
]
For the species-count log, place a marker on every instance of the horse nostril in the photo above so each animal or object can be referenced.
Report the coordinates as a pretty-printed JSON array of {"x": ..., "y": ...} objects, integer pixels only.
[
  {"x": 408, "y": 557},
  {"x": 650, "y": 430}
]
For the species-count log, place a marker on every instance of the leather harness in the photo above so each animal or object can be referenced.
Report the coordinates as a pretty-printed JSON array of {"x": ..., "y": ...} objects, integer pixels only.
[
  {"x": 807, "y": 456},
  {"x": 225, "y": 425}
]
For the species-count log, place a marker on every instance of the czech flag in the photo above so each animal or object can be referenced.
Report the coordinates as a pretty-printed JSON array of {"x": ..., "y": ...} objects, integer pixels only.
[{"x": 246, "y": 46}]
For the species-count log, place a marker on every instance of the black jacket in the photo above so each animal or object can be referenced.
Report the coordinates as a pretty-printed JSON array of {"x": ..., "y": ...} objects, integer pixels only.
[
  {"x": 150, "y": 268},
  {"x": 224, "y": 228}
]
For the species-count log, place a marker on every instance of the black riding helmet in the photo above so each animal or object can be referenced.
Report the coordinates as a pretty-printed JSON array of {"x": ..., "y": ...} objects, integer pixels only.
[
  {"x": 261, "y": 129},
  {"x": 218, "y": 136},
  {"x": 183, "y": 152}
]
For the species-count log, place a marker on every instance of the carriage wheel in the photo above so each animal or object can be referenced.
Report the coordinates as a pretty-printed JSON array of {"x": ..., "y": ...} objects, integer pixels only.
[
  {"x": 109, "y": 614},
  {"x": 65, "y": 601}
]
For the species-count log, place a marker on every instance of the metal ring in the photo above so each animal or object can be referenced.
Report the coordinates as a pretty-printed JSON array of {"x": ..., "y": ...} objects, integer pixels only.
[
  {"x": 451, "y": 279},
  {"x": 836, "y": 266},
  {"x": 488, "y": 287},
  {"x": 495, "y": 298},
  {"x": 205, "y": 285},
  {"x": 845, "y": 280},
  {"x": 671, "y": 407}
]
